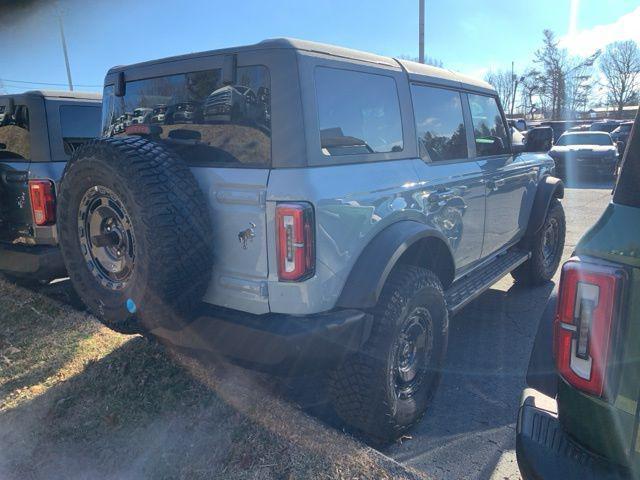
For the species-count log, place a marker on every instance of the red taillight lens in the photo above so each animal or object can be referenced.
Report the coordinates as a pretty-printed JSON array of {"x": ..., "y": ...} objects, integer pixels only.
[
  {"x": 43, "y": 202},
  {"x": 296, "y": 255},
  {"x": 587, "y": 307}
]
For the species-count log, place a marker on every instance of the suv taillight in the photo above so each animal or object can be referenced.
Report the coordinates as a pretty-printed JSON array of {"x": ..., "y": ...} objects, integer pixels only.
[
  {"x": 587, "y": 309},
  {"x": 43, "y": 202},
  {"x": 295, "y": 231}
]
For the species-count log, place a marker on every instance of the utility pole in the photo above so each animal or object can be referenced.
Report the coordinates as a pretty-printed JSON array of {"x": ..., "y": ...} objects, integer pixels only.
[
  {"x": 64, "y": 48},
  {"x": 421, "y": 32}
]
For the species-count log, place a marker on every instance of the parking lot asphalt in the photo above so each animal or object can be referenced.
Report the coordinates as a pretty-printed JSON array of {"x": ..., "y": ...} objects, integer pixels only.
[{"x": 469, "y": 431}]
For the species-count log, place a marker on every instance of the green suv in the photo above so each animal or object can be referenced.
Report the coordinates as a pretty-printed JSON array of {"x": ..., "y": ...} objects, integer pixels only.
[{"x": 579, "y": 417}]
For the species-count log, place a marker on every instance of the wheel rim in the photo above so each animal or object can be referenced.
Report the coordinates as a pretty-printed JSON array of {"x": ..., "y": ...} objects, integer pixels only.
[
  {"x": 412, "y": 353},
  {"x": 550, "y": 241},
  {"x": 107, "y": 238}
]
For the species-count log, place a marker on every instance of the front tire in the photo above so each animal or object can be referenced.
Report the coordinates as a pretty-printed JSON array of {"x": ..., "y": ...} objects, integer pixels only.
[
  {"x": 385, "y": 389},
  {"x": 546, "y": 249}
]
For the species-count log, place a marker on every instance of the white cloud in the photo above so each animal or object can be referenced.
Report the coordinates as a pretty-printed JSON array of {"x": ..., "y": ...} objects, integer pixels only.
[{"x": 585, "y": 42}]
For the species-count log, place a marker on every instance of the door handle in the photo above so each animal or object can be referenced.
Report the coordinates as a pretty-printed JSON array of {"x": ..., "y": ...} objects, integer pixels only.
[
  {"x": 496, "y": 184},
  {"x": 440, "y": 196},
  {"x": 15, "y": 177}
]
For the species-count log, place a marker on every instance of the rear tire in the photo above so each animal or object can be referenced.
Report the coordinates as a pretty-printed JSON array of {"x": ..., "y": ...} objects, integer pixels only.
[
  {"x": 546, "y": 249},
  {"x": 385, "y": 389},
  {"x": 135, "y": 233}
]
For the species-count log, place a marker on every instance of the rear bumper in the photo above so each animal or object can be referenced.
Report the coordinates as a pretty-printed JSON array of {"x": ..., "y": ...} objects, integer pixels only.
[
  {"x": 545, "y": 451},
  {"x": 40, "y": 262},
  {"x": 278, "y": 343}
]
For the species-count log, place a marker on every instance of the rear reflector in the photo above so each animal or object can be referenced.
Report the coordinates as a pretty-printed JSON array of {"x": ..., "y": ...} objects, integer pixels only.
[
  {"x": 587, "y": 310},
  {"x": 296, "y": 249},
  {"x": 43, "y": 202}
]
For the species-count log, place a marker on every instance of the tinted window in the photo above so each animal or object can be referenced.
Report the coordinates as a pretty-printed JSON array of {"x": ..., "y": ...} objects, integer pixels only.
[
  {"x": 78, "y": 124},
  {"x": 488, "y": 126},
  {"x": 198, "y": 116},
  {"x": 584, "y": 139},
  {"x": 358, "y": 112},
  {"x": 15, "y": 141},
  {"x": 439, "y": 123}
]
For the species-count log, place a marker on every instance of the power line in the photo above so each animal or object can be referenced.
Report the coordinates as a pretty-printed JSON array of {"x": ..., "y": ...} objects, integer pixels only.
[{"x": 46, "y": 83}]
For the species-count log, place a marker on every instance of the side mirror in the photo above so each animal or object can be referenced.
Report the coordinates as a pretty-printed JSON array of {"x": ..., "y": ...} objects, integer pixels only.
[
  {"x": 3, "y": 146},
  {"x": 620, "y": 147},
  {"x": 539, "y": 139}
]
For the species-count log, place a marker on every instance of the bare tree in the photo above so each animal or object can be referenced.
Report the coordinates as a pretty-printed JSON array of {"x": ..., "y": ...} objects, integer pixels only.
[
  {"x": 530, "y": 92},
  {"x": 504, "y": 83},
  {"x": 620, "y": 65},
  {"x": 564, "y": 79}
]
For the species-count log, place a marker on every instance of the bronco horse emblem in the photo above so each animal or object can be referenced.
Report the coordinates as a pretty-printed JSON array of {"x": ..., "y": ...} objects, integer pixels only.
[{"x": 247, "y": 235}]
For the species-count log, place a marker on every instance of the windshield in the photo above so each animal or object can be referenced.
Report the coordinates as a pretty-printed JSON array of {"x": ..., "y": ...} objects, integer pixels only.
[
  {"x": 584, "y": 139},
  {"x": 626, "y": 128}
]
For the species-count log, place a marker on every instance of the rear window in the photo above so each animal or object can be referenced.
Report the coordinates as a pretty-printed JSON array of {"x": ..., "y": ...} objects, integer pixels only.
[
  {"x": 584, "y": 139},
  {"x": 15, "y": 140},
  {"x": 358, "y": 113},
  {"x": 628, "y": 187},
  {"x": 439, "y": 123},
  {"x": 198, "y": 116},
  {"x": 79, "y": 123}
]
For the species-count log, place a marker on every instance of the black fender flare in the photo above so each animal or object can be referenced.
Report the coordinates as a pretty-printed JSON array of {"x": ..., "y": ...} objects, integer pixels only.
[
  {"x": 369, "y": 274},
  {"x": 548, "y": 189}
]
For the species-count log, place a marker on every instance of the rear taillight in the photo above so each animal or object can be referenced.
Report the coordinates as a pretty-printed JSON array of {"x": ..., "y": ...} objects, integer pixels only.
[
  {"x": 295, "y": 230},
  {"x": 43, "y": 202},
  {"x": 587, "y": 310}
]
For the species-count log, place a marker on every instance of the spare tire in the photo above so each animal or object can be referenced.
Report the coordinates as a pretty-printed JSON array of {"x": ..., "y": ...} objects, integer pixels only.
[{"x": 135, "y": 233}]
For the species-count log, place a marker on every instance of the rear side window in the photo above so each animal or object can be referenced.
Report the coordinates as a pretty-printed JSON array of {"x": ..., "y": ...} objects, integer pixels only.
[
  {"x": 195, "y": 114},
  {"x": 78, "y": 124},
  {"x": 488, "y": 127},
  {"x": 15, "y": 140},
  {"x": 439, "y": 123},
  {"x": 358, "y": 113}
]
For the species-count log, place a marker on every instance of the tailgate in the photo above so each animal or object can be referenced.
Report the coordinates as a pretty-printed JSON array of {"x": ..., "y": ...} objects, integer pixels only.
[{"x": 237, "y": 199}]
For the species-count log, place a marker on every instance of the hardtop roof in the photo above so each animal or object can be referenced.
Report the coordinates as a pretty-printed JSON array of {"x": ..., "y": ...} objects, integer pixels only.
[
  {"x": 55, "y": 94},
  {"x": 414, "y": 70}
]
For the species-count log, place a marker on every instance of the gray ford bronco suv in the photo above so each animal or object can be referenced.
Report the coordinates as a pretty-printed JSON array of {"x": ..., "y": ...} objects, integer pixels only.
[
  {"x": 39, "y": 130},
  {"x": 338, "y": 220}
]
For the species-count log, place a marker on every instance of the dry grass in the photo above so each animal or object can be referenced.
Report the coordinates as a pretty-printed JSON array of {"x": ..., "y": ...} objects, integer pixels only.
[{"x": 79, "y": 401}]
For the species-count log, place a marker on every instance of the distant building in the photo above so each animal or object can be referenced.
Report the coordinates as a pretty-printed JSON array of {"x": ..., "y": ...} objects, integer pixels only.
[{"x": 610, "y": 112}]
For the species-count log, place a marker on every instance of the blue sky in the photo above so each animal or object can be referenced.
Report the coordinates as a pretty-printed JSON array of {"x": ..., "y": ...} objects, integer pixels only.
[{"x": 467, "y": 35}]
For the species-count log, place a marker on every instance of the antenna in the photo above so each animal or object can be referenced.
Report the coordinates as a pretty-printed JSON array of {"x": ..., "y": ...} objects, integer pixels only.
[
  {"x": 421, "y": 32},
  {"x": 64, "y": 48}
]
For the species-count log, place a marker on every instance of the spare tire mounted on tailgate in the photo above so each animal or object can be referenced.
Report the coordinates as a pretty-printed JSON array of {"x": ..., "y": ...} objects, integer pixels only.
[{"x": 135, "y": 233}]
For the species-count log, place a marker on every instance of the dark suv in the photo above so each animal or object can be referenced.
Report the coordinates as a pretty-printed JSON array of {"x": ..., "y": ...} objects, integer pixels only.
[
  {"x": 38, "y": 133},
  {"x": 579, "y": 417}
]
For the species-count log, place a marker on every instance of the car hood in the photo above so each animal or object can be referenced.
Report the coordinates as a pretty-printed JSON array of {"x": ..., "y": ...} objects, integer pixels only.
[{"x": 583, "y": 148}]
